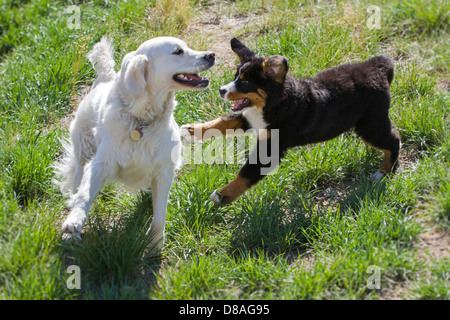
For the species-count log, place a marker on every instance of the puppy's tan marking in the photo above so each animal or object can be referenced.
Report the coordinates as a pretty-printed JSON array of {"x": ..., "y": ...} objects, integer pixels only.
[
  {"x": 387, "y": 164},
  {"x": 257, "y": 99},
  {"x": 200, "y": 130},
  {"x": 275, "y": 67},
  {"x": 233, "y": 190}
]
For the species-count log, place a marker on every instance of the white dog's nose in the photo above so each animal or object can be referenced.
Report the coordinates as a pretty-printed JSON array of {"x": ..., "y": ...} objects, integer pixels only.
[
  {"x": 222, "y": 92},
  {"x": 210, "y": 56}
]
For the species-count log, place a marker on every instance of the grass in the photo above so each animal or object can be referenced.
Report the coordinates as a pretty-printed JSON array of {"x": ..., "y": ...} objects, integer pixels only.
[{"x": 313, "y": 230}]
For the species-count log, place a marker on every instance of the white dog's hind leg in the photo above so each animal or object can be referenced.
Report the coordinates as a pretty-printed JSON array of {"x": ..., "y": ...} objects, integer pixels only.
[
  {"x": 160, "y": 191},
  {"x": 93, "y": 179}
]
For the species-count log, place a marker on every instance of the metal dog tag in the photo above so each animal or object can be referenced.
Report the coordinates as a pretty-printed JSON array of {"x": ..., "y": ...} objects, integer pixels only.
[{"x": 136, "y": 134}]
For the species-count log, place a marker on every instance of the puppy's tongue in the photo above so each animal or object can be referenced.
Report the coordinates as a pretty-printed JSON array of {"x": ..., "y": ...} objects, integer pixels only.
[{"x": 240, "y": 104}]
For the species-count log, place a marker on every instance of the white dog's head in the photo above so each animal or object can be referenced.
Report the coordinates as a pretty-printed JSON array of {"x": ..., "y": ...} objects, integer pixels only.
[{"x": 164, "y": 64}]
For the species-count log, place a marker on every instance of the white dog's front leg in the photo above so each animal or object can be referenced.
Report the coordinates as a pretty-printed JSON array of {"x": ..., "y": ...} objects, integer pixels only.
[
  {"x": 91, "y": 183},
  {"x": 160, "y": 190}
]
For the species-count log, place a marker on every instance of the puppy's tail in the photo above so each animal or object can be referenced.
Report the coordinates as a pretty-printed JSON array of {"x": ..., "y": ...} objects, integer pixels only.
[
  {"x": 385, "y": 63},
  {"x": 102, "y": 59}
]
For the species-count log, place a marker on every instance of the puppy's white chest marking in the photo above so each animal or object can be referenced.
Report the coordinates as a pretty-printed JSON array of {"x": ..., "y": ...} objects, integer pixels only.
[{"x": 255, "y": 117}]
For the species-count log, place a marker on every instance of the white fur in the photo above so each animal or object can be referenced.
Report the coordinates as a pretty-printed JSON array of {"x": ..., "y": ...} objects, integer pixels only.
[
  {"x": 100, "y": 148},
  {"x": 377, "y": 176},
  {"x": 215, "y": 197},
  {"x": 255, "y": 117},
  {"x": 230, "y": 87}
]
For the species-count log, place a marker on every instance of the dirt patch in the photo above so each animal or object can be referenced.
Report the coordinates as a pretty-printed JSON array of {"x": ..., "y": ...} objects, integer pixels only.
[
  {"x": 433, "y": 243},
  {"x": 219, "y": 28}
]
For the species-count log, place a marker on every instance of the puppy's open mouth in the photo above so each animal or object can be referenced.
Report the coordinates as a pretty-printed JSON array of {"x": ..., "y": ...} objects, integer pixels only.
[
  {"x": 240, "y": 104},
  {"x": 191, "y": 79}
]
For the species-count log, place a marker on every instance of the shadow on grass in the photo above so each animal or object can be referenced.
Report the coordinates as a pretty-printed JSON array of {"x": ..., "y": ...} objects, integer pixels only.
[
  {"x": 114, "y": 257},
  {"x": 363, "y": 191},
  {"x": 275, "y": 226},
  {"x": 280, "y": 224}
]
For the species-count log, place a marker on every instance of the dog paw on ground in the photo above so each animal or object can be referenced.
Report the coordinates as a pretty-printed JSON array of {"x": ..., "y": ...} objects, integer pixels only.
[
  {"x": 74, "y": 222},
  {"x": 71, "y": 237},
  {"x": 216, "y": 197},
  {"x": 377, "y": 176},
  {"x": 220, "y": 199}
]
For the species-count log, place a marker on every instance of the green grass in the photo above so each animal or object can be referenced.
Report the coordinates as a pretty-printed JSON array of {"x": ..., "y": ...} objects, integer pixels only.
[{"x": 312, "y": 230}]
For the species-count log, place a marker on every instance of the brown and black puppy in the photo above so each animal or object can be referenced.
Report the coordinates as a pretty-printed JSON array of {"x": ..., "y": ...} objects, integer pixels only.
[{"x": 303, "y": 111}]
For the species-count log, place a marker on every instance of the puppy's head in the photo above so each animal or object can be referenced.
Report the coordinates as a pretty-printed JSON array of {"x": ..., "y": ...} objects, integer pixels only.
[
  {"x": 256, "y": 79},
  {"x": 164, "y": 64}
]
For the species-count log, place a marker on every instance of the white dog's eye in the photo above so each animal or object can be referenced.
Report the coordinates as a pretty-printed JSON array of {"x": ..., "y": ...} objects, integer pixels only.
[{"x": 178, "y": 51}]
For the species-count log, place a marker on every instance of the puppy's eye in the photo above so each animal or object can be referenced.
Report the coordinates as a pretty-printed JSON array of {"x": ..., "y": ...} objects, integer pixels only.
[{"x": 178, "y": 51}]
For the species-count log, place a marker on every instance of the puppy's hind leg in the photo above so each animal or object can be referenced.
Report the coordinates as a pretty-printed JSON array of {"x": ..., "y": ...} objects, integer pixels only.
[{"x": 383, "y": 136}]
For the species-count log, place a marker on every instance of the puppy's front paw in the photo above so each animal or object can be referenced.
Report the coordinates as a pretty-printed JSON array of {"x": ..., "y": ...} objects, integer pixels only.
[
  {"x": 187, "y": 133},
  {"x": 216, "y": 197},
  {"x": 377, "y": 176}
]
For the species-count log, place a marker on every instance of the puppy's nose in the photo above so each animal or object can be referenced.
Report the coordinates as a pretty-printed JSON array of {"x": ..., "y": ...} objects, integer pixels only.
[
  {"x": 210, "y": 56},
  {"x": 222, "y": 92}
]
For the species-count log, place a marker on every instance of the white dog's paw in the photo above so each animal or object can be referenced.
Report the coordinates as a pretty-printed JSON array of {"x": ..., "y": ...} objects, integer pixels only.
[
  {"x": 74, "y": 222},
  {"x": 377, "y": 176},
  {"x": 187, "y": 133},
  {"x": 157, "y": 243},
  {"x": 71, "y": 237}
]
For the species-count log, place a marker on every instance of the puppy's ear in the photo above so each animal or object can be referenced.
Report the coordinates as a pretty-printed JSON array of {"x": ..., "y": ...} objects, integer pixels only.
[
  {"x": 244, "y": 54},
  {"x": 133, "y": 73},
  {"x": 276, "y": 68}
]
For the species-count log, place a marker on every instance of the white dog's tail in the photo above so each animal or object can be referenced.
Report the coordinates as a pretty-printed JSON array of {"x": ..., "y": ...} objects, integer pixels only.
[
  {"x": 102, "y": 59},
  {"x": 64, "y": 168}
]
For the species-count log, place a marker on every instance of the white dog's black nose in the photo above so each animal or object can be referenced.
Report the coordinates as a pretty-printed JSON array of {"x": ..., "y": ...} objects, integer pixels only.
[
  {"x": 222, "y": 92},
  {"x": 210, "y": 56}
]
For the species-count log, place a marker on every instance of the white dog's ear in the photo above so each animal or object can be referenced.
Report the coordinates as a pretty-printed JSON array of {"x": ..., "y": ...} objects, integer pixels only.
[{"x": 133, "y": 73}]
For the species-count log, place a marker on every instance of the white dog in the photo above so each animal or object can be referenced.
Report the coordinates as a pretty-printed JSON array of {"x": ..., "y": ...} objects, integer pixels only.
[{"x": 124, "y": 129}]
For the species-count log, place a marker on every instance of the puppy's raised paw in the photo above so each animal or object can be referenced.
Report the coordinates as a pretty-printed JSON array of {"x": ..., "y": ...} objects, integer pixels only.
[{"x": 188, "y": 134}]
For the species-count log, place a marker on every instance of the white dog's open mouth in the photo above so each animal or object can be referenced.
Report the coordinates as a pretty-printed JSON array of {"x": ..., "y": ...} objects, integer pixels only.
[{"x": 193, "y": 80}]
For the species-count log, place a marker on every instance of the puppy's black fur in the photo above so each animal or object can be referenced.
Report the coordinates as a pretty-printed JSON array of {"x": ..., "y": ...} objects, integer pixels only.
[{"x": 310, "y": 110}]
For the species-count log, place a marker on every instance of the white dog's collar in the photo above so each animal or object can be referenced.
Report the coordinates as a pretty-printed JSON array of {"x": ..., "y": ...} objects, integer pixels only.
[{"x": 137, "y": 133}]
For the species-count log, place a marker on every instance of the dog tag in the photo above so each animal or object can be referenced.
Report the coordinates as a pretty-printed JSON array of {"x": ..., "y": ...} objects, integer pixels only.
[{"x": 136, "y": 134}]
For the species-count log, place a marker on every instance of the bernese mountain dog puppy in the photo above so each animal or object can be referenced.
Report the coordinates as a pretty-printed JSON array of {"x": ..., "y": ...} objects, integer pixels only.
[{"x": 302, "y": 111}]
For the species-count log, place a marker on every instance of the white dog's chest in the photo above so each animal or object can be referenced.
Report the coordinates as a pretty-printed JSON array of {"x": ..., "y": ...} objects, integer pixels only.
[{"x": 148, "y": 157}]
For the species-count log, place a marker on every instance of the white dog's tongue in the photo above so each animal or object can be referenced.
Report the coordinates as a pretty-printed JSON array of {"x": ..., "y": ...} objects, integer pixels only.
[
  {"x": 193, "y": 76},
  {"x": 188, "y": 77}
]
